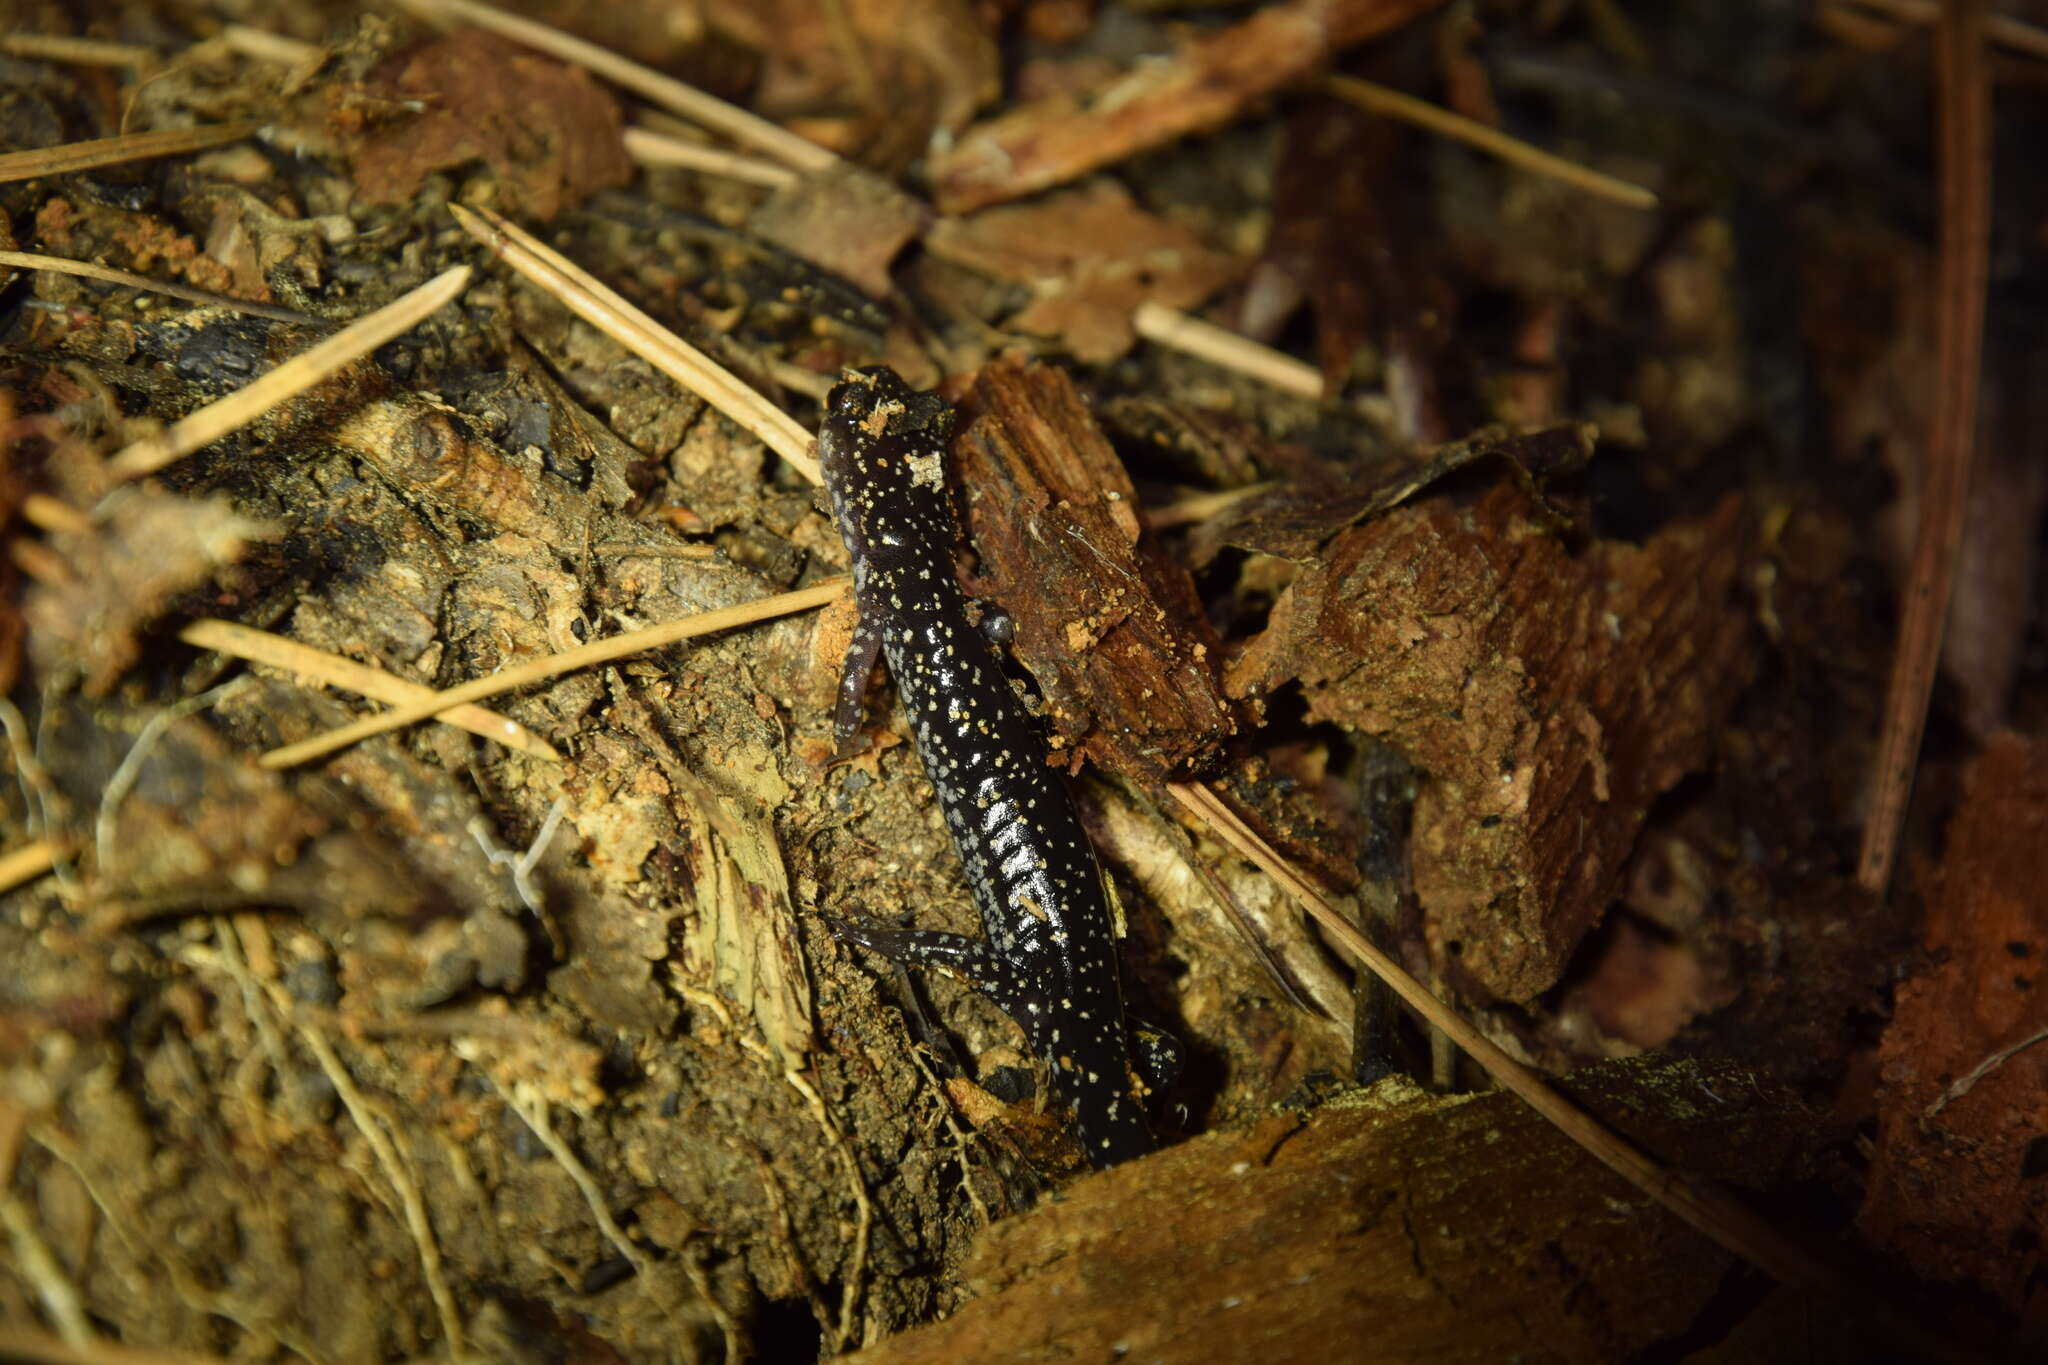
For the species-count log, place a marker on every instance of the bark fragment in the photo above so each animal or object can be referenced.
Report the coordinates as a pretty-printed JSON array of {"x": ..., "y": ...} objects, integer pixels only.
[
  {"x": 1114, "y": 632},
  {"x": 1547, "y": 698},
  {"x": 1957, "y": 1186}
]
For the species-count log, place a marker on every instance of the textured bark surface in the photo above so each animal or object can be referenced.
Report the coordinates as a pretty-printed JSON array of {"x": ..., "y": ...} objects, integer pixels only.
[
  {"x": 1547, "y": 697},
  {"x": 1957, "y": 1187},
  {"x": 1110, "y": 627}
]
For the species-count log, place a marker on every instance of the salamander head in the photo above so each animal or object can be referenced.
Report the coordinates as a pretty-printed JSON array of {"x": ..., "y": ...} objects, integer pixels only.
[{"x": 883, "y": 448}]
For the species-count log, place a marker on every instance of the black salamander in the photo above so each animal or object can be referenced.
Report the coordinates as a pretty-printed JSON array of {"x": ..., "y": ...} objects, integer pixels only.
[{"x": 1048, "y": 955}]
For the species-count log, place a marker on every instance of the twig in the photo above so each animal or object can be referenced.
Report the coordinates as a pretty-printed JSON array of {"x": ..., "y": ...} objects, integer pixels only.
[
  {"x": 28, "y": 260},
  {"x": 600, "y": 651},
  {"x": 1203, "y": 86},
  {"x": 129, "y": 771},
  {"x": 1951, "y": 441},
  {"x": 650, "y": 148},
  {"x": 23, "y": 865},
  {"x": 963, "y": 1142},
  {"x": 793, "y": 376},
  {"x": 40, "y": 562},
  {"x": 231, "y": 959},
  {"x": 533, "y": 1112},
  {"x": 1165, "y": 326},
  {"x": 318, "y": 666},
  {"x": 59, "y": 47},
  {"x": 532, "y": 1109},
  {"x": 1190, "y": 508},
  {"x": 1964, "y": 1084},
  {"x": 301, "y": 372},
  {"x": 1999, "y": 28},
  {"x": 1713, "y": 1213},
  {"x": 110, "y": 151},
  {"x": 44, "y": 1273},
  {"x": 37, "y": 789},
  {"x": 266, "y": 46},
  {"x": 408, "y": 1190},
  {"x": 54, "y": 514},
  {"x": 33, "y": 1259},
  {"x": 40, "y": 1348},
  {"x": 1392, "y": 103},
  {"x": 605, "y": 310},
  {"x": 743, "y": 127},
  {"x": 521, "y": 864}
]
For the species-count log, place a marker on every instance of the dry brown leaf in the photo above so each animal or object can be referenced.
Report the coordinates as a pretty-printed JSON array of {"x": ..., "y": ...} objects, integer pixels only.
[
  {"x": 150, "y": 547},
  {"x": 845, "y": 220},
  {"x": 871, "y": 79},
  {"x": 549, "y": 131},
  {"x": 1090, "y": 255}
]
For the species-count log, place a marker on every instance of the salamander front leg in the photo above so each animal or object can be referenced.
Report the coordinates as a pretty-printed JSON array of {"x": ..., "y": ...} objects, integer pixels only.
[
  {"x": 967, "y": 958},
  {"x": 862, "y": 653}
]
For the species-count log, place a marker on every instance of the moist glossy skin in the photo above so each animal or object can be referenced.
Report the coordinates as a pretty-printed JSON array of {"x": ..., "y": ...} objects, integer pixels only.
[{"x": 1049, "y": 952}]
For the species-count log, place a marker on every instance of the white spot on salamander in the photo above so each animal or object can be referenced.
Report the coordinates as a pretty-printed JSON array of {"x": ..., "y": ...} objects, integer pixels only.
[{"x": 926, "y": 471}]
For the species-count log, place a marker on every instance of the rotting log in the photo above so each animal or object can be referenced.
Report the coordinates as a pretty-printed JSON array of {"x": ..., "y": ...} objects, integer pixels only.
[{"x": 1388, "y": 1225}]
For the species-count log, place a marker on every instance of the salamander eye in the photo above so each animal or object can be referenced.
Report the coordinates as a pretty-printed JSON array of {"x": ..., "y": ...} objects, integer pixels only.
[
  {"x": 997, "y": 625},
  {"x": 1157, "y": 1054}
]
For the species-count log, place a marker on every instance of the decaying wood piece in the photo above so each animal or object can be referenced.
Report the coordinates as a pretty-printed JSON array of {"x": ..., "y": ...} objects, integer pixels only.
[
  {"x": 1956, "y": 1186},
  {"x": 1112, "y": 629},
  {"x": 1389, "y": 1226},
  {"x": 1546, "y": 697},
  {"x": 1060, "y": 138}
]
